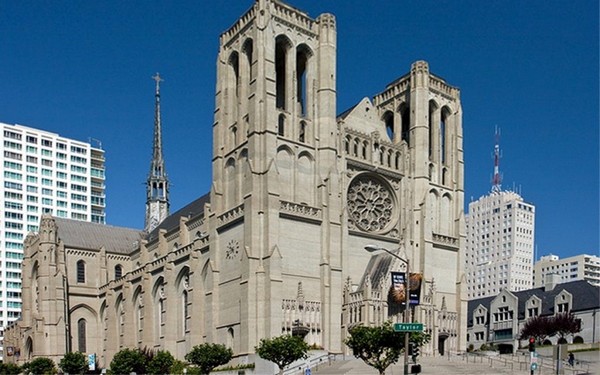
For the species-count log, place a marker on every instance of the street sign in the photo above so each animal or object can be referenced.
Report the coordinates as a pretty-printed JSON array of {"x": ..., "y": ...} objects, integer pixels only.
[{"x": 408, "y": 327}]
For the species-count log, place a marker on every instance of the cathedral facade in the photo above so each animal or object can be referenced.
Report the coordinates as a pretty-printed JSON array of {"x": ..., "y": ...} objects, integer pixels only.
[{"x": 278, "y": 244}]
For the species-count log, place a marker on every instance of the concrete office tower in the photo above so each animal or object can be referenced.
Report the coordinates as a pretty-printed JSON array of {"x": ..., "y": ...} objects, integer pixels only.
[
  {"x": 43, "y": 173},
  {"x": 578, "y": 267},
  {"x": 500, "y": 230}
]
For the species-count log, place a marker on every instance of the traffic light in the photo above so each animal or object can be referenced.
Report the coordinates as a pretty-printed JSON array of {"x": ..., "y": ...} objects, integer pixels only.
[
  {"x": 416, "y": 351},
  {"x": 532, "y": 344}
]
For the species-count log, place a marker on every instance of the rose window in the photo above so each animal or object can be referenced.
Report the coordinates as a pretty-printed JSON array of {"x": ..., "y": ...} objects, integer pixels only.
[{"x": 370, "y": 204}]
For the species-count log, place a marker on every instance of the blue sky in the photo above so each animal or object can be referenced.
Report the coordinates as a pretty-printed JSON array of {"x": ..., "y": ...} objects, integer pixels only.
[{"x": 82, "y": 69}]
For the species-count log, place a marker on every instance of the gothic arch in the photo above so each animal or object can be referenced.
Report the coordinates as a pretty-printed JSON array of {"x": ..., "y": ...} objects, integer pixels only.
[
  {"x": 160, "y": 308},
  {"x": 434, "y": 115},
  {"x": 433, "y": 208},
  {"x": 445, "y": 134},
  {"x": 303, "y": 80},
  {"x": 285, "y": 166},
  {"x": 243, "y": 173},
  {"x": 390, "y": 127},
  {"x": 404, "y": 111},
  {"x": 282, "y": 85},
  {"x": 230, "y": 183},
  {"x": 233, "y": 86},
  {"x": 446, "y": 218},
  {"x": 305, "y": 184},
  {"x": 138, "y": 308},
  {"x": 182, "y": 283},
  {"x": 120, "y": 318}
]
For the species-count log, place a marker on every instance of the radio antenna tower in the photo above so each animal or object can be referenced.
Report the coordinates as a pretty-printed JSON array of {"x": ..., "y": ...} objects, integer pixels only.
[{"x": 497, "y": 179}]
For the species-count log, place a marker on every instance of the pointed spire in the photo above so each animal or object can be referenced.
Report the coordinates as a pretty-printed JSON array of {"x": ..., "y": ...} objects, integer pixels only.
[{"x": 157, "y": 185}]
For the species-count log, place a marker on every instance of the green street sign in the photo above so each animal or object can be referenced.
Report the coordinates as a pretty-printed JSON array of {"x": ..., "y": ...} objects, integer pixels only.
[{"x": 408, "y": 327}]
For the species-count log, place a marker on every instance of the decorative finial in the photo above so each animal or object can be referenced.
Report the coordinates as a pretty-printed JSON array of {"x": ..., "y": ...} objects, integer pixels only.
[{"x": 158, "y": 80}]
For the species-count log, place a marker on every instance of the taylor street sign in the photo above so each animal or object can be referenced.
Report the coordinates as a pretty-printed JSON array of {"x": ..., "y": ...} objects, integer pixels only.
[{"x": 408, "y": 327}]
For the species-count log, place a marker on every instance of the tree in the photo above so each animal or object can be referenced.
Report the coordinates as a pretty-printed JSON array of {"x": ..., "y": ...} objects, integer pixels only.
[
  {"x": 10, "y": 369},
  {"x": 378, "y": 347},
  {"x": 74, "y": 363},
  {"x": 208, "y": 356},
  {"x": 160, "y": 363},
  {"x": 538, "y": 327},
  {"x": 41, "y": 365},
  {"x": 282, "y": 350},
  {"x": 566, "y": 324},
  {"x": 127, "y": 361}
]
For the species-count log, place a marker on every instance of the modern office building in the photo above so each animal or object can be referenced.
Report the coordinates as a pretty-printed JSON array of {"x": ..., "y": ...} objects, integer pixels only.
[
  {"x": 578, "y": 267},
  {"x": 500, "y": 230},
  {"x": 43, "y": 173}
]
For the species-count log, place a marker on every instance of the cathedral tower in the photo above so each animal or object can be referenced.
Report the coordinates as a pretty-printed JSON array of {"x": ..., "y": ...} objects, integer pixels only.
[{"x": 157, "y": 184}]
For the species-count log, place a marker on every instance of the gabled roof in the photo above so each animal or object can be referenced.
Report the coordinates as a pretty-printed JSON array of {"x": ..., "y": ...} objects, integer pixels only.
[
  {"x": 190, "y": 210},
  {"x": 585, "y": 297},
  {"x": 86, "y": 235}
]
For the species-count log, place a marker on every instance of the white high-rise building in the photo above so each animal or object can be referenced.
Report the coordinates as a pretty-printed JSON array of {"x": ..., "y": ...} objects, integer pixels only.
[
  {"x": 43, "y": 173},
  {"x": 500, "y": 229},
  {"x": 578, "y": 267}
]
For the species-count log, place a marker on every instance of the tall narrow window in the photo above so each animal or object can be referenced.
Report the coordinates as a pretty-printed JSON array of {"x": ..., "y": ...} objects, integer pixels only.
[
  {"x": 118, "y": 271},
  {"x": 80, "y": 271},
  {"x": 301, "y": 63},
  {"x": 280, "y": 71},
  {"x": 405, "y": 115},
  {"x": 388, "y": 119},
  {"x": 81, "y": 334},
  {"x": 184, "y": 308},
  {"x": 302, "y": 135},
  {"x": 281, "y": 125}
]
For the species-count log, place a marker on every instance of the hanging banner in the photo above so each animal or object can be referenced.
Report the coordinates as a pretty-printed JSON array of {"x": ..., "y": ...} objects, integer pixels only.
[{"x": 398, "y": 289}]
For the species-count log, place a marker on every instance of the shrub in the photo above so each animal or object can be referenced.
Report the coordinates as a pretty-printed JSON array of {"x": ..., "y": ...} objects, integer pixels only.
[
  {"x": 208, "y": 356},
  {"x": 127, "y": 361},
  {"x": 42, "y": 365},
  {"x": 74, "y": 363},
  {"x": 160, "y": 363},
  {"x": 9, "y": 369}
]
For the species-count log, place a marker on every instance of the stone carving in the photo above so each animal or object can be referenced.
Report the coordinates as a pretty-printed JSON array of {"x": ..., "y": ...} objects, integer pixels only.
[{"x": 370, "y": 204}]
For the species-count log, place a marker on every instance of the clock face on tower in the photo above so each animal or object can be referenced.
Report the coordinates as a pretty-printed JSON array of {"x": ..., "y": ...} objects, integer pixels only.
[
  {"x": 370, "y": 204},
  {"x": 233, "y": 248}
]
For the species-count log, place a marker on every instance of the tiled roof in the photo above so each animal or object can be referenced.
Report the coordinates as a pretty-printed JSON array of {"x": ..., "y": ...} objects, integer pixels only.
[
  {"x": 86, "y": 235},
  {"x": 190, "y": 210},
  {"x": 585, "y": 297}
]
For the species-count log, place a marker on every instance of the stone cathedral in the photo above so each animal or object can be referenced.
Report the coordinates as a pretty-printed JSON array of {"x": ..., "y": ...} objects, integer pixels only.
[{"x": 278, "y": 244}]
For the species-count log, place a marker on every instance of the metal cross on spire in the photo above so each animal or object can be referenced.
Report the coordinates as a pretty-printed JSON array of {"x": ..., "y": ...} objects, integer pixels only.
[{"x": 158, "y": 80}]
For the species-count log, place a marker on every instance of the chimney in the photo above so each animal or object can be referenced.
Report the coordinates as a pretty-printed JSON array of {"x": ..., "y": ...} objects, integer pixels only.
[{"x": 551, "y": 280}]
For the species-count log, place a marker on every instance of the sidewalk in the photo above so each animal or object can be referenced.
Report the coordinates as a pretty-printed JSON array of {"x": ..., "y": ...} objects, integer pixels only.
[{"x": 454, "y": 364}]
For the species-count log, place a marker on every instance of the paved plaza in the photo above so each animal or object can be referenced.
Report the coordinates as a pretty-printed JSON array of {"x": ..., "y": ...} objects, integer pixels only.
[{"x": 467, "y": 364}]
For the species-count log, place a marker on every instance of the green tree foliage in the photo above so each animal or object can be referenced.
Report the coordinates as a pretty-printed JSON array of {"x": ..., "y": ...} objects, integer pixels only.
[
  {"x": 9, "y": 369},
  {"x": 379, "y": 347},
  {"x": 160, "y": 363},
  {"x": 74, "y": 363},
  {"x": 127, "y": 361},
  {"x": 41, "y": 365},
  {"x": 282, "y": 350},
  {"x": 208, "y": 356}
]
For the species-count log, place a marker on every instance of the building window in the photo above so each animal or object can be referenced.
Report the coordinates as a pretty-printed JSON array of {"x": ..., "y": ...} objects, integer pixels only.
[
  {"x": 80, "y": 271},
  {"x": 118, "y": 271},
  {"x": 81, "y": 327}
]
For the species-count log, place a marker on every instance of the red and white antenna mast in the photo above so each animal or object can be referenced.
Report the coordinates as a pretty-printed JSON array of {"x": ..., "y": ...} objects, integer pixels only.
[{"x": 497, "y": 179}]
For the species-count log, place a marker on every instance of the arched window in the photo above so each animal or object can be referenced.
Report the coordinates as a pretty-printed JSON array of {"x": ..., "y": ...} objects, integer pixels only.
[
  {"x": 444, "y": 134},
  {"x": 185, "y": 312},
  {"x": 281, "y": 47},
  {"x": 302, "y": 55},
  {"x": 281, "y": 125},
  {"x": 80, "y": 271},
  {"x": 388, "y": 119},
  {"x": 302, "y": 135},
  {"x": 81, "y": 335},
  {"x": 118, "y": 271},
  {"x": 405, "y": 116}
]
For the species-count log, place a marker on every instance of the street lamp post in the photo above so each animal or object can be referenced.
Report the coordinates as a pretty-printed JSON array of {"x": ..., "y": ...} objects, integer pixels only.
[{"x": 374, "y": 248}]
